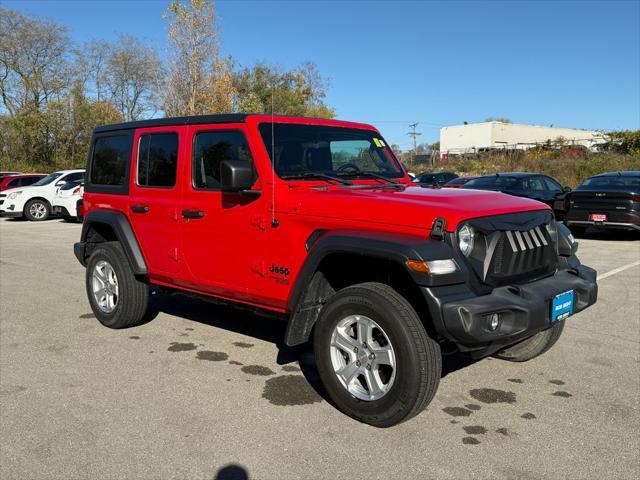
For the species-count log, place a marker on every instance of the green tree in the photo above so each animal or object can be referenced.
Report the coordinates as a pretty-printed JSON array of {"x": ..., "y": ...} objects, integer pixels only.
[{"x": 269, "y": 89}]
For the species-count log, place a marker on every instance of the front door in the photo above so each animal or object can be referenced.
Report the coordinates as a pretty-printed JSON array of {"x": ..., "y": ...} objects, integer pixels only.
[
  {"x": 154, "y": 197},
  {"x": 222, "y": 233}
]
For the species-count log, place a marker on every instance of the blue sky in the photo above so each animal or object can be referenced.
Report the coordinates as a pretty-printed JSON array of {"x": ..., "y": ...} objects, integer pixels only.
[{"x": 571, "y": 64}]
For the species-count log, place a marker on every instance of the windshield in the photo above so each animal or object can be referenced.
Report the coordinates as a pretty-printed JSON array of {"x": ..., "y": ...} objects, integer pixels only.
[
  {"x": 315, "y": 149},
  {"x": 47, "y": 180},
  {"x": 613, "y": 182}
]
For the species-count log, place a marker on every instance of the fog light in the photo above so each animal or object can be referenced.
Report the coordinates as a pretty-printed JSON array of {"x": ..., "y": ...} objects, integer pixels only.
[{"x": 494, "y": 321}]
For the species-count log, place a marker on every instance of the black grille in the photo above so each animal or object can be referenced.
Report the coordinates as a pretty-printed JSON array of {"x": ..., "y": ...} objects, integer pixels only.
[
  {"x": 520, "y": 253},
  {"x": 511, "y": 249}
]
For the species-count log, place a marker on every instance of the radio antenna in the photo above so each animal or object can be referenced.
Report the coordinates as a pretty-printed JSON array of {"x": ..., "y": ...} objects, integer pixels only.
[{"x": 274, "y": 220}]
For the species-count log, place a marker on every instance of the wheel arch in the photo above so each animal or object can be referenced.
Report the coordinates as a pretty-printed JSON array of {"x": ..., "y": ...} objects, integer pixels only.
[
  {"x": 107, "y": 226},
  {"x": 342, "y": 258},
  {"x": 37, "y": 197}
]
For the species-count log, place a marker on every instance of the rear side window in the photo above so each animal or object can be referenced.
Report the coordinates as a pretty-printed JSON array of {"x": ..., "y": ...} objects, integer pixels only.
[
  {"x": 551, "y": 184},
  {"x": 157, "y": 160},
  {"x": 74, "y": 177},
  {"x": 14, "y": 183},
  {"x": 29, "y": 180},
  {"x": 110, "y": 157},
  {"x": 212, "y": 148}
]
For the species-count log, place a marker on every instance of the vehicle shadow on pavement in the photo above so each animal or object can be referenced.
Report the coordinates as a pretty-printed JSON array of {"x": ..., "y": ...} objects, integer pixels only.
[{"x": 248, "y": 323}]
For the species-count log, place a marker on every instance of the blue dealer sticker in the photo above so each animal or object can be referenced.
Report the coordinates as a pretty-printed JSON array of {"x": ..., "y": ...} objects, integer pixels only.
[{"x": 562, "y": 306}]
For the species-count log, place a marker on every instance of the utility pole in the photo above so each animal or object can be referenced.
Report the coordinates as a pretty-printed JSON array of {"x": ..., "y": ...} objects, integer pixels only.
[{"x": 414, "y": 134}]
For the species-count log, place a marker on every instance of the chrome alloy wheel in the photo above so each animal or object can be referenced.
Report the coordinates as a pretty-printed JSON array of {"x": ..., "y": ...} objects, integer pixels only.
[
  {"x": 362, "y": 357},
  {"x": 104, "y": 284},
  {"x": 38, "y": 210}
]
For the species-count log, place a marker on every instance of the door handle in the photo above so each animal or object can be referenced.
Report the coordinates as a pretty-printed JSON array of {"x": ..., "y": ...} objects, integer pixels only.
[
  {"x": 140, "y": 208},
  {"x": 192, "y": 213}
]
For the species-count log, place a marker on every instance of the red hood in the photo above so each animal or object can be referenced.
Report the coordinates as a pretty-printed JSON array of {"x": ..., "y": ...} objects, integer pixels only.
[{"x": 408, "y": 206}]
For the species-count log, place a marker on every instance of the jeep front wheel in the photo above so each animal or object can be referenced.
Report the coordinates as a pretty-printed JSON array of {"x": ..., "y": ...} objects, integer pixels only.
[
  {"x": 118, "y": 299},
  {"x": 374, "y": 357},
  {"x": 37, "y": 210}
]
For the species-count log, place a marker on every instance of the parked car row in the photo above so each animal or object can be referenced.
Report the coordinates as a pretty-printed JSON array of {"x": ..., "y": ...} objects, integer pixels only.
[
  {"x": 608, "y": 200},
  {"x": 37, "y": 196}
]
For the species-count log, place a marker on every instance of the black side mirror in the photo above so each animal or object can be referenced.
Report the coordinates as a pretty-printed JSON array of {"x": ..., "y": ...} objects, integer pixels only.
[
  {"x": 236, "y": 175},
  {"x": 566, "y": 189}
]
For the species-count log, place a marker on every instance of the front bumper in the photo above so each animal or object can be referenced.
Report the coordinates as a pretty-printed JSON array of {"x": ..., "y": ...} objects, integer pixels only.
[
  {"x": 7, "y": 214},
  {"x": 616, "y": 219},
  {"x": 610, "y": 225},
  {"x": 462, "y": 317},
  {"x": 60, "y": 210}
]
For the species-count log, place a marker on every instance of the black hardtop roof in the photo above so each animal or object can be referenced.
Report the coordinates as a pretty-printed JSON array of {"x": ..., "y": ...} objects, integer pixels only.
[
  {"x": 200, "y": 120},
  {"x": 631, "y": 173},
  {"x": 164, "y": 122}
]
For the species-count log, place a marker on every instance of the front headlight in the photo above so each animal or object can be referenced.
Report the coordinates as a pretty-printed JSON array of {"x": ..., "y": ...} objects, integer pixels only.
[
  {"x": 465, "y": 240},
  {"x": 14, "y": 195}
]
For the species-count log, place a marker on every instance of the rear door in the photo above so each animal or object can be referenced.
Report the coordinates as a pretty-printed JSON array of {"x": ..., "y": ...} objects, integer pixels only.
[
  {"x": 154, "y": 198},
  {"x": 223, "y": 234}
]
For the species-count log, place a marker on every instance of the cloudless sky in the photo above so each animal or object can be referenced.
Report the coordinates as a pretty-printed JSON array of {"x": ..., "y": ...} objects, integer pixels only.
[{"x": 567, "y": 63}]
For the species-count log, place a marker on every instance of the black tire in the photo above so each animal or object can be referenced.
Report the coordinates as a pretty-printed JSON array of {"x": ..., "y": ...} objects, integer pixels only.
[
  {"x": 133, "y": 294},
  {"x": 533, "y": 346},
  {"x": 418, "y": 357},
  {"x": 38, "y": 203}
]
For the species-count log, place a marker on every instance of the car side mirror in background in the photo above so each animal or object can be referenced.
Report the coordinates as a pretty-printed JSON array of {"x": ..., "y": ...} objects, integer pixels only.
[
  {"x": 60, "y": 183},
  {"x": 236, "y": 176},
  {"x": 566, "y": 189}
]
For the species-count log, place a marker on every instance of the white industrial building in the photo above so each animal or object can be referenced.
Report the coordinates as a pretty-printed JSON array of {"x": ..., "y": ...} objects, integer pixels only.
[{"x": 478, "y": 137}]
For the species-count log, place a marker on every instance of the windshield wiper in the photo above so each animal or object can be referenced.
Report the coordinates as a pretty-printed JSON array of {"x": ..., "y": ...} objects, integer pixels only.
[
  {"x": 369, "y": 174},
  {"x": 312, "y": 175}
]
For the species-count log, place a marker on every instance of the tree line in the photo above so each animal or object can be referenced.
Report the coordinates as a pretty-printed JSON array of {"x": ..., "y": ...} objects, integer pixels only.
[{"x": 54, "y": 92}]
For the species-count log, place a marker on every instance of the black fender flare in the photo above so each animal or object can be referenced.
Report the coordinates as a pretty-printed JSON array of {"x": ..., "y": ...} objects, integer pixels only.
[
  {"x": 394, "y": 247},
  {"x": 121, "y": 226}
]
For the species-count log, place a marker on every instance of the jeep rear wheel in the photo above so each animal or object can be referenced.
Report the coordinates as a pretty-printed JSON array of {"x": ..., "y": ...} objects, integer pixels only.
[
  {"x": 37, "y": 210},
  {"x": 374, "y": 356},
  {"x": 118, "y": 299},
  {"x": 532, "y": 347}
]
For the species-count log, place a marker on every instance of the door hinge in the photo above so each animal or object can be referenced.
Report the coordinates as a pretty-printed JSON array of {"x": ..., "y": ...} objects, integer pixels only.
[{"x": 437, "y": 229}]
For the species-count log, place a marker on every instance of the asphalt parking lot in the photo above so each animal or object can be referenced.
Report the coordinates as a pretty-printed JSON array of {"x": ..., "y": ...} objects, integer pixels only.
[{"x": 207, "y": 392}]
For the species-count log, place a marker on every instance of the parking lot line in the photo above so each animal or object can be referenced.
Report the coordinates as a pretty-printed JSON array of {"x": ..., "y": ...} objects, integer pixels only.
[{"x": 618, "y": 270}]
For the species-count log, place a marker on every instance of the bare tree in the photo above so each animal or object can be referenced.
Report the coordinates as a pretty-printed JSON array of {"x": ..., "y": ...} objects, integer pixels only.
[
  {"x": 199, "y": 80},
  {"x": 33, "y": 61},
  {"x": 90, "y": 65},
  {"x": 131, "y": 76}
]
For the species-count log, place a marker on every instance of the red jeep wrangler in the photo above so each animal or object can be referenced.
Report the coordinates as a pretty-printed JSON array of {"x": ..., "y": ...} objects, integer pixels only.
[{"x": 316, "y": 221}]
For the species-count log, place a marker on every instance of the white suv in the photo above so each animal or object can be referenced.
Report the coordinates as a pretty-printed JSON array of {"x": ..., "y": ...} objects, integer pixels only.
[
  {"x": 34, "y": 202},
  {"x": 66, "y": 202}
]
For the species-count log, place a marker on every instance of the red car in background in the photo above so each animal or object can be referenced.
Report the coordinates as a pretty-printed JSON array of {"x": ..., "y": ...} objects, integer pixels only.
[{"x": 19, "y": 180}]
